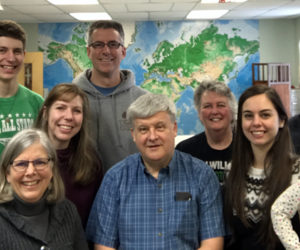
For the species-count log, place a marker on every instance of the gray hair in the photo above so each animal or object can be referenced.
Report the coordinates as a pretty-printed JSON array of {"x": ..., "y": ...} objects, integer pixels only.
[
  {"x": 14, "y": 148},
  {"x": 148, "y": 105},
  {"x": 218, "y": 87},
  {"x": 105, "y": 24}
]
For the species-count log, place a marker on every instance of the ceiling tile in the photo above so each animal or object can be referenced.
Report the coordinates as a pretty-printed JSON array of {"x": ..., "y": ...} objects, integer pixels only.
[
  {"x": 20, "y": 18},
  {"x": 124, "y": 1},
  {"x": 21, "y": 2},
  {"x": 170, "y": 16},
  {"x": 37, "y": 9},
  {"x": 249, "y": 14},
  {"x": 175, "y": 1},
  {"x": 149, "y": 7},
  {"x": 111, "y": 8},
  {"x": 261, "y": 4},
  {"x": 80, "y": 8},
  {"x": 223, "y": 6},
  {"x": 183, "y": 6},
  {"x": 54, "y": 18},
  {"x": 138, "y": 16}
]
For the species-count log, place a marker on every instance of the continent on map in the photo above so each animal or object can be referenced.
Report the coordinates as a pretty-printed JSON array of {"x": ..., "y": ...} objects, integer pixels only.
[
  {"x": 208, "y": 55},
  {"x": 169, "y": 57},
  {"x": 73, "y": 52}
]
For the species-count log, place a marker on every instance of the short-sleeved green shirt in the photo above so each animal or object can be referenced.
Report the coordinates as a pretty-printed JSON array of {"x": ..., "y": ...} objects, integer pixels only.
[{"x": 18, "y": 112}]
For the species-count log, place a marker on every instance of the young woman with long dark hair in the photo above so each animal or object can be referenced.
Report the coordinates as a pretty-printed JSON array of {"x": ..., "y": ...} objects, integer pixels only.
[{"x": 263, "y": 166}]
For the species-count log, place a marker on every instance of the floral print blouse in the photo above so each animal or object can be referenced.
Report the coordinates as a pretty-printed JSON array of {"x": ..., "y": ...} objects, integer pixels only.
[{"x": 283, "y": 209}]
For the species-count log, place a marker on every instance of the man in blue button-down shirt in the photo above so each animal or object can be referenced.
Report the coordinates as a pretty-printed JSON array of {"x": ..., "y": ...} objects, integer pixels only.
[{"x": 159, "y": 198}]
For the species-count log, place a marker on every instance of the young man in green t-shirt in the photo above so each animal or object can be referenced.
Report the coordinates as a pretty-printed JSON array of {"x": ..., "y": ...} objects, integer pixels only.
[{"x": 19, "y": 106}]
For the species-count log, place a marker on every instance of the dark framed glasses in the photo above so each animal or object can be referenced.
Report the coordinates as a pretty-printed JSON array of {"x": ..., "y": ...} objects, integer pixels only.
[
  {"x": 111, "y": 44},
  {"x": 22, "y": 165}
]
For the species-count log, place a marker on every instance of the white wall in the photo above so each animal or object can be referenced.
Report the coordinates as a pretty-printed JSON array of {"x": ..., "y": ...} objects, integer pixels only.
[
  {"x": 278, "y": 44},
  {"x": 32, "y": 36}
]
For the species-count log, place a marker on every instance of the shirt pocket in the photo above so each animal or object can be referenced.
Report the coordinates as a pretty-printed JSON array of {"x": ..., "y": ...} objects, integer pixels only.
[{"x": 183, "y": 218}]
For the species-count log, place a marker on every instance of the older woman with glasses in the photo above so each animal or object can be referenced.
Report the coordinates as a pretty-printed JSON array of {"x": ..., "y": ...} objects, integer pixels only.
[{"x": 33, "y": 211}]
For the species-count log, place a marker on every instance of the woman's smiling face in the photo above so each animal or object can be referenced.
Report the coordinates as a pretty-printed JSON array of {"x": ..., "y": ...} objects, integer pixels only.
[
  {"x": 64, "y": 121},
  {"x": 31, "y": 184},
  {"x": 260, "y": 121}
]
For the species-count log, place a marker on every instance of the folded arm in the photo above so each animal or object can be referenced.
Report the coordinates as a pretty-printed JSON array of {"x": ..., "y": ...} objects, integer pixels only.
[{"x": 283, "y": 209}]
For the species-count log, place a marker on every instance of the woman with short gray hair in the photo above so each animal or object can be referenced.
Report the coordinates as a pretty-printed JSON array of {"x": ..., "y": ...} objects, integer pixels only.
[{"x": 216, "y": 108}]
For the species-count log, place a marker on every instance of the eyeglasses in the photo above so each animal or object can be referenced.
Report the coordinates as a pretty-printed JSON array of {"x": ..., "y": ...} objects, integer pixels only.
[
  {"x": 22, "y": 165},
  {"x": 111, "y": 44}
]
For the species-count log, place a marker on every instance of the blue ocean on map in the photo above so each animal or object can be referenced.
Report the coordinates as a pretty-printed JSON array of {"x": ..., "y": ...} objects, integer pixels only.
[
  {"x": 145, "y": 40},
  {"x": 244, "y": 78},
  {"x": 59, "y": 67},
  {"x": 188, "y": 121},
  {"x": 60, "y": 32}
]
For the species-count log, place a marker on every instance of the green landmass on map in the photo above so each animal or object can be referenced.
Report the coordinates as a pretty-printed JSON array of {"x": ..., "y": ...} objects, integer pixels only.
[
  {"x": 171, "y": 68},
  {"x": 209, "y": 55},
  {"x": 73, "y": 53}
]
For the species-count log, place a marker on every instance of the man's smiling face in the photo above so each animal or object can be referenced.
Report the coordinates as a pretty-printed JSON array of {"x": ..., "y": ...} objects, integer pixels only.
[{"x": 11, "y": 58}]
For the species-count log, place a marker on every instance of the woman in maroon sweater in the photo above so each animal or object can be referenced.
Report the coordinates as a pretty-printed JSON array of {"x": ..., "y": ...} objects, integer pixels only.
[{"x": 64, "y": 116}]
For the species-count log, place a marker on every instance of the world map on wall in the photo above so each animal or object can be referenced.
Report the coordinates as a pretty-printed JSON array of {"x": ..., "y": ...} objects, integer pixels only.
[{"x": 167, "y": 57}]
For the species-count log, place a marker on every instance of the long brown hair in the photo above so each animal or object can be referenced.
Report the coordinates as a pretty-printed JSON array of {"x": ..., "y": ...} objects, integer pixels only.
[
  {"x": 279, "y": 162},
  {"x": 83, "y": 160}
]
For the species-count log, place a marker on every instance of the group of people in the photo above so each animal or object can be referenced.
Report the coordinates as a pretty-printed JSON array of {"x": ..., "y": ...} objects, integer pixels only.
[
  {"x": 61, "y": 146},
  {"x": 153, "y": 195}
]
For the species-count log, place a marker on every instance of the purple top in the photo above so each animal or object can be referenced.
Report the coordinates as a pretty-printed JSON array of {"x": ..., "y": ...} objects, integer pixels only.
[{"x": 81, "y": 195}]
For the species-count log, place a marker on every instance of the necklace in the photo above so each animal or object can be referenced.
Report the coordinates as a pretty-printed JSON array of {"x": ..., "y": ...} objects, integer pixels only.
[
  {"x": 8, "y": 116},
  {"x": 7, "y": 119}
]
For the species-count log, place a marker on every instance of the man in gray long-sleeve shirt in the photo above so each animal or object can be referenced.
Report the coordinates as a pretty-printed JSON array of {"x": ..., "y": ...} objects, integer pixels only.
[{"x": 110, "y": 92}]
